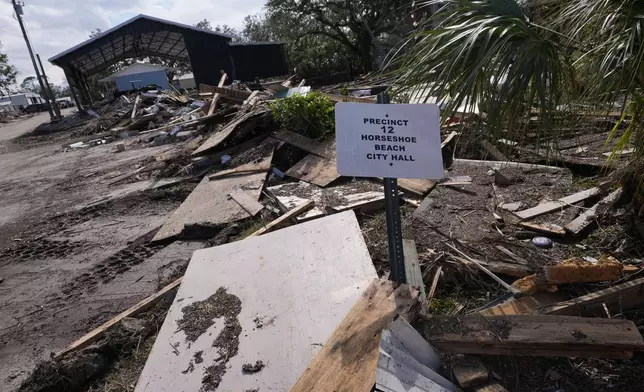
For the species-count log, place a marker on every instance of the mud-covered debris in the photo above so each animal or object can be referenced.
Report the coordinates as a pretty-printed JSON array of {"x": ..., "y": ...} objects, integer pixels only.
[{"x": 250, "y": 368}]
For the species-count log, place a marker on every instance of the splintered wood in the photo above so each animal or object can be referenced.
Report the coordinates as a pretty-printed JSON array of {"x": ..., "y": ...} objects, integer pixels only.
[
  {"x": 551, "y": 336},
  {"x": 349, "y": 358}
]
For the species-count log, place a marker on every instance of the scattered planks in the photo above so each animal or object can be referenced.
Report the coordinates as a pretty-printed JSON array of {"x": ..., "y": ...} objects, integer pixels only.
[
  {"x": 550, "y": 336},
  {"x": 228, "y": 130},
  {"x": 303, "y": 142},
  {"x": 349, "y": 359},
  {"x": 99, "y": 332},
  {"x": 291, "y": 214},
  {"x": 587, "y": 217},
  {"x": 246, "y": 201},
  {"x": 559, "y": 204}
]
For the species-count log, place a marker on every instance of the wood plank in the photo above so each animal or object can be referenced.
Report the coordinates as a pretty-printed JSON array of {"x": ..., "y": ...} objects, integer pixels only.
[
  {"x": 136, "y": 104},
  {"x": 434, "y": 285},
  {"x": 418, "y": 187},
  {"x": 587, "y": 217},
  {"x": 617, "y": 298},
  {"x": 412, "y": 271},
  {"x": 247, "y": 202},
  {"x": 140, "y": 307},
  {"x": 533, "y": 304},
  {"x": 349, "y": 359},
  {"x": 288, "y": 291},
  {"x": 518, "y": 259},
  {"x": 228, "y": 93},
  {"x": 480, "y": 266},
  {"x": 215, "y": 98},
  {"x": 559, "y": 204},
  {"x": 544, "y": 228},
  {"x": 493, "y": 151},
  {"x": 210, "y": 204},
  {"x": 533, "y": 336},
  {"x": 516, "y": 270},
  {"x": 470, "y": 372},
  {"x": 302, "y": 142},
  {"x": 394, "y": 376},
  {"x": 448, "y": 139},
  {"x": 227, "y": 131},
  {"x": 405, "y": 337},
  {"x": 315, "y": 169},
  {"x": 292, "y": 213}
]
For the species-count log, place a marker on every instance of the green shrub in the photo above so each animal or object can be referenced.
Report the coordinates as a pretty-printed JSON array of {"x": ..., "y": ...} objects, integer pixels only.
[{"x": 310, "y": 115}]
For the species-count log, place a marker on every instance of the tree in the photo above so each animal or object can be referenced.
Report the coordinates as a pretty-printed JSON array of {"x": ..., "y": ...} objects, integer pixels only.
[
  {"x": 30, "y": 83},
  {"x": 8, "y": 73},
  {"x": 204, "y": 24},
  {"x": 357, "y": 25}
]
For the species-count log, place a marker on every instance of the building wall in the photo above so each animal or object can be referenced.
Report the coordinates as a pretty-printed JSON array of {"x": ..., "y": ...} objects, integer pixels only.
[
  {"x": 208, "y": 56},
  {"x": 23, "y": 100},
  {"x": 160, "y": 78},
  {"x": 258, "y": 61}
]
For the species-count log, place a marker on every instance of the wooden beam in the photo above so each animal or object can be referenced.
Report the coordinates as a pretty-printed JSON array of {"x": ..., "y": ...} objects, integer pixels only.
[
  {"x": 245, "y": 201},
  {"x": 291, "y": 214},
  {"x": 432, "y": 289},
  {"x": 551, "y": 336},
  {"x": 545, "y": 228},
  {"x": 559, "y": 204},
  {"x": 136, "y": 104},
  {"x": 412, "y": 270},
  {"x": 617, "y": 298},
  {"x": 587, "y": 217},
  {"x": 213, "y": 103},
  {"x": 98, "y": 333},
  {"x": 349, "y": 359},
  {"x": 515, "y": 270}
]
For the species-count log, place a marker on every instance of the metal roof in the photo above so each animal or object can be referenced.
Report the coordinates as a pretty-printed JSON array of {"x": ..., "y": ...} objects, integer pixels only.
[{"x": 141, "y": 36}]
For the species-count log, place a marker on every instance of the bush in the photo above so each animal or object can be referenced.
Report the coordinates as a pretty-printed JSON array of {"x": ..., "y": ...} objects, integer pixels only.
[{"x": 310, "y": 115}]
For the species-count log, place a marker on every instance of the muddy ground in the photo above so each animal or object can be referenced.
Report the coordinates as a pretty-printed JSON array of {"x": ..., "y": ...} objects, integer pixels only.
[{"x": 74, "y": 249}]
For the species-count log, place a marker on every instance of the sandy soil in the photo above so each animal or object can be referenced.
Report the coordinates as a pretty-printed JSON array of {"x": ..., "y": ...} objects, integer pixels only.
[{"x": 73, "y": 248}]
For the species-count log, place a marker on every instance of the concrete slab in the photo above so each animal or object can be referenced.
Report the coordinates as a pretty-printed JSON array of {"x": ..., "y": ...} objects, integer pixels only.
[{"x": 293, "y": 286}]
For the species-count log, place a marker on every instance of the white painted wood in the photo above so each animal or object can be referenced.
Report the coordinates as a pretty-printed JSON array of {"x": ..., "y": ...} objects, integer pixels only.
[
  {"x": 392, "y": 376},
  {"x": 564, "y": 202},
  {"x": 414, "y": 344},
  {"x": 587, "y": 217},
  {"x": 305, "y": 278}
]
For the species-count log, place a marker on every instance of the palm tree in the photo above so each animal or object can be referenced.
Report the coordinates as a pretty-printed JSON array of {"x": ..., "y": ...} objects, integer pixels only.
[{"x": 519, "y": 58}]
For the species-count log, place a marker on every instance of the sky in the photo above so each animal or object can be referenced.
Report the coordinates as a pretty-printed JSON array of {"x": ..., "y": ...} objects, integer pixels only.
[{"x": 56, "y": 25}]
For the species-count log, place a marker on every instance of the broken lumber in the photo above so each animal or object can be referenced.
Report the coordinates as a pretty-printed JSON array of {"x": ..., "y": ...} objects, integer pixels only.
[
  {"x": 515, "y": 270},
  {"x": 532, "y": 304},
  {"x": 136, "y": 104},
  {"x": 302, "y": 142},
  {"x": 620, "y": 297},
  {"x": 245, "y": 201},
  {"x": 217, "y": 138},
  {"x": 493, "y": 151},
  {"x": 99, "y": 332},
  {"x": 412, "y": 270},
  {"x": 349, "y": 359},
  {"x": 292, "y": 213},
  {"x": 548, "y": 336},
  {"x": 545, "y": 228},
  {"x": 559, "y": 204},
  {"x": 587, "y": 217},
  {"x": 432, "y": 289},
  {"x": 470, "y": 372},
  {"x": 500, "y": 165},
  {"x": 215, "y": 98},
  {"x": 577, "y": 270},
  {"x": 315, "y": 169},
  {"x": 419, "y": 187}
]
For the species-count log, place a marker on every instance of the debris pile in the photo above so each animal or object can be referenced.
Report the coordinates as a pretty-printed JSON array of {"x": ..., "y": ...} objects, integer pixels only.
[{"x": 503, "y": 258}]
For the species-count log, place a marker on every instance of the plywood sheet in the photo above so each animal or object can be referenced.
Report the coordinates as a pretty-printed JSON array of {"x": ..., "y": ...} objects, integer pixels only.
[
  {"x": 295, "y": 286},
  {"x": 417, "y": 186},
  {"x": 316, "y": 169},
  {"x": 224, "y": 133},
  {"x": 210, "y": 203}
]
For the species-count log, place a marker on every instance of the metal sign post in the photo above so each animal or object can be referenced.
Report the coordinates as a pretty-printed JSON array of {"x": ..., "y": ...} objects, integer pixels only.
[{"x": 394, "y": 227}]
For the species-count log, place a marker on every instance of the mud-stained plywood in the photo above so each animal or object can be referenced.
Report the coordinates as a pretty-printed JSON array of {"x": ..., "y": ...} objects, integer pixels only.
[
  {"x": 316, "y": 169},
  {"x": 294, "y": 286}
]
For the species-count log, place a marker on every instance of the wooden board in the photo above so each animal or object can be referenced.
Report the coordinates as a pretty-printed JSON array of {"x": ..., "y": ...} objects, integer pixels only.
[
  {"x": 533, "y": 336},
  {"x": 99, "y": 332},
  {"x": 315, "y": 169},
  {"x": 228, "y": 130},
  {"x": 302, "y": 142},
  {"x": 416, "y": 186},
  {"x": 493, "y": 151},
  {"x": 562, "y": 203},
  {"x": 516, "y": 270},
  {"x": 412, "y": 271},
  {"x": 209, "y": 203},
  {"x": 291, "y": 214},
  {"x": 616, "y": 298},
  {"x": 247, "y": 202},
  {"x": 544, "y": 228},
  {"x": 469, "y": 372},
  {"x": 294, "y": 286},
  {"x": 533, "y": 304},
  {"x": 587, "y": 217},
  {"x": 349, "y": 359}
]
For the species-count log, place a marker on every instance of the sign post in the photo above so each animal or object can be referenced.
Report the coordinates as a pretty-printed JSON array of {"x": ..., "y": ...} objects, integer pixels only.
[{"x": 390, "y": 141}]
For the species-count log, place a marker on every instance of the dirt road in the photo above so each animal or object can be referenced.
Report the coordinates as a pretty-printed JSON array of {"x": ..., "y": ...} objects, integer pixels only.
[{"x": 17, "y": 128}]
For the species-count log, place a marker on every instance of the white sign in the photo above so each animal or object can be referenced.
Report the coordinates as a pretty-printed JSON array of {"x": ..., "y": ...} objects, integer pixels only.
[{"x": 392, "y": 141}]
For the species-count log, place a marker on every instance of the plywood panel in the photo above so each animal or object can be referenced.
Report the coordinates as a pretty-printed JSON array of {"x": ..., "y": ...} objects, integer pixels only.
[{"x": 295, "y": 286}]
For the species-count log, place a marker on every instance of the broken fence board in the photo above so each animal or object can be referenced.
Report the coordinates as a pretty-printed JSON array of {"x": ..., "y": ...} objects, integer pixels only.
[
  {"x": 299, "y": 282},
  {"x": 99, "y": 332},
  {"x": 617, "y": 298},
  {"x": 551, "y": 336},
  {"x": 291, "y": 214},
  {"x": 247, "y": 202},
  {"x": 559, "y": 204},
  {"x": 412, "y": 271},
  {"x": 349, "y": 359},
  {"x": 587, "y": 217}
]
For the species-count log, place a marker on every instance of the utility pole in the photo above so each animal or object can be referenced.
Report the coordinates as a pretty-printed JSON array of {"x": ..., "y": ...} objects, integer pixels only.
[
  {"x": 18, "y": 9},
  {"x": 51, "y": 93}
]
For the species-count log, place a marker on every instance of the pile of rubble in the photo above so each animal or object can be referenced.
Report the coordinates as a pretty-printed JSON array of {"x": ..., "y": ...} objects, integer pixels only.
[{"x": 502, "y": 257}]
